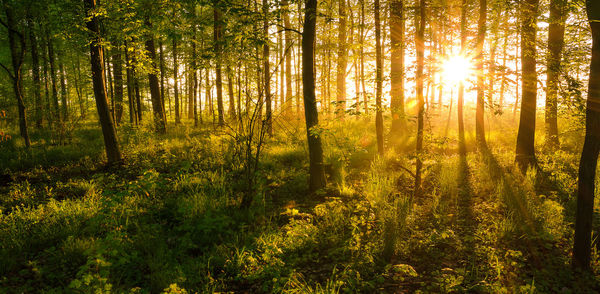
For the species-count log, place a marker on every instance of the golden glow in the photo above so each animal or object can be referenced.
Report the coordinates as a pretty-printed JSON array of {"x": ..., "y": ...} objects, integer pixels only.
[{"x": 457, "y": 69}]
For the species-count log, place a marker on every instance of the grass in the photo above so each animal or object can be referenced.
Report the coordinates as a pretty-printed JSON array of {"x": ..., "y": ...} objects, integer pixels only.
[{"x": 168, "y": 219}]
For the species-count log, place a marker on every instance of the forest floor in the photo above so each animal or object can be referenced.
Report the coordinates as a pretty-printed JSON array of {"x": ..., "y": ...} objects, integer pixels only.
[{"x": 167, "y": 220}]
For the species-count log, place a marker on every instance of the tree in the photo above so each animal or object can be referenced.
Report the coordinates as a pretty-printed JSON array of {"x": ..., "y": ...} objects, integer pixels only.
[
  {"x": 591, "y": 147},
  {"x": 556, "y": 40},
  {"x": 218, "y": 31},
  {"x": 16, "y": 41},
  {"x": 288, "y": 54},
  {"x": 160, "y": 122},
  {"x": 378, "y": 81},
  {"x": 176, "y": 81},
  {"x": 462, "y": 148},
  {"x": 342, "y": 61},
  {"x": 35, "y": 74},
  {"x": 315, "y": 147},
  {"x": 266, "y": 70},
  {"x": 118, "y": 84},
  {"x": 397, "y": 67},
  {"x": 479, "y": 123},
  {"x": 420, "y": 46},
  {"x": 525, "y": 151},
  {"x": 109, "y": 133}
]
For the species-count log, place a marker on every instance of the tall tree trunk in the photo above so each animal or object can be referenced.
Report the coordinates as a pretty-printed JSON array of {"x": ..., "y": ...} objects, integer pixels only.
[
  {"x": 16, "y": 42},
  {"x": 378, "y": 81},
  {"x": 462, "y": 148},
  {"x": 556, "y": 40},
  {"x": 525, "y": 151},
  {"x": 230, "y": 82},
  {"x": 109, "y": 133},
  {"x": 130, "y": 88},
  {"x": 161, "y": 58},
  {"x": 362, "y": 56},
  {"x": 267, "y": 70},
  {"x": 118, "y": 84},
  {"x": 342, "y": 61},
  {"x": 51, "y": 61},
  {"x": 35, "y": 73},
  {"x": 176, "y": 81},
  {"x": 397, "y": 67},
  {"x": 160, "y": 123},
  {"x": 420, "y": 46},
  {"x": 479, "y": 113},
  {"x": 591, "y": 148},
  {"x": 315, "y": 147},
  {"x": 218, "y": 31},
  {"x": 63, "y": 91},
  {"x": 47, "y": 114},
  {"x": 288, "y": 55}
]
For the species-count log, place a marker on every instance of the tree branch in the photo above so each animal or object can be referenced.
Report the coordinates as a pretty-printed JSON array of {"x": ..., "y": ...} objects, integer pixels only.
[{"x": 7, "y": 71}]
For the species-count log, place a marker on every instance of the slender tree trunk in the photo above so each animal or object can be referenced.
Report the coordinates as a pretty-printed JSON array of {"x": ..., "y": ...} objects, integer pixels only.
[
  {"x": 362, "y": 56},
  {"x": 130, "y": 88},
  {"x": 378, "y": 81},
  {"x": 230, "y": 82},
  {"x": 16, "y": 42},
  {"x": 342, "y": 61},
  {"x": 525, "y": 151},
  {"x": 161, "y": 58},
  {"x": 218, "y": 31},
  {"x": 53, "y": 75},
  {"x": 288, "y": 55},
  {"x": 35, "y": 73},
  {"x": 397, "y": 68},
  {"x": 118, "y": 84},
  {"x": 591, "y": 147},
  {"x": 556, "y": 40},
  {"x": 157, "y": 109},
  {"x": 109, "y": 133},
  {"x": 267, "y": 70},
  {"x": 420, "y": 46},
  {"x": 315, "y": 148},
  {"x": 479, "y": 115},
  {"x": 462, "y": 148},
  {"x": 63, "y": 91},
  {"x": 176, "y": 81},
  {"x": 47, "y": 114}
]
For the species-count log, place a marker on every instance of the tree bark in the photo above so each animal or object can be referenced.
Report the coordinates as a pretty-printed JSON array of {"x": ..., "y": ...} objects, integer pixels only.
[
  {"x": 315, "y": 147},
  {"x": 176, "y": 81},
  {"x": 109, "y": 133},
  {"x": 479, "y": 112},
  {"x": 556, "y": 40},
  {"x": 267, "y": 70},
  {"x": 420, "y": 47},
  {"x": 16, "y": 42},
  {"x": 118, "y": 84},
  {"x": 397, "y": 68},
  {"x": 288, "y": 54},
  {"x": 160, "y": 123},
  {"x": 35, "y": 74},
  {"x": 378, "y": 81},
  {"x": 53, "y": 78},
  {"x": 525, "y": 150},
  {"x": 462, "y": 148},
  {"x": 342, "y": 61},
  {"x": 591, "y": 147},
  {"x": 218, "y": 31}
]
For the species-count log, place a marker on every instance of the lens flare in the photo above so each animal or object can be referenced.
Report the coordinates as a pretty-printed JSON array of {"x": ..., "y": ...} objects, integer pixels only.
[{"x": 457, "y": 69}]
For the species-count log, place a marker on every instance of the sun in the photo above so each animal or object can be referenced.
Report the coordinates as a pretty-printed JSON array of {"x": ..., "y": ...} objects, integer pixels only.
[{"x": 457, "y": 69}]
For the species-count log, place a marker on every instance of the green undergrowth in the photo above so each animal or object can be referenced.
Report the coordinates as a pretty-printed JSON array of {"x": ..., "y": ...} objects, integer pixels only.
[{"x": 168, "y": 219}]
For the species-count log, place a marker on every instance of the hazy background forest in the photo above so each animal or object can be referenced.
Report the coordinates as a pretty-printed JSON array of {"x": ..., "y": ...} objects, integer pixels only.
[{"x": 183, "y": 146}]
